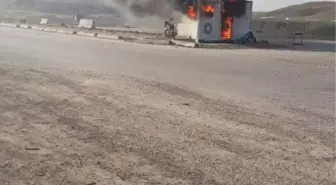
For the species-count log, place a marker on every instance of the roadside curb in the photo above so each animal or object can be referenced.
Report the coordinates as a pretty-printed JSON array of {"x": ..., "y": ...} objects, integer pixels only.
[
  {"x": 25, "y": 26},
  {"x": 10, "y": 25},
  {"x": 172, "y": 42},
  {"x": 105, "y": 36},
  {"x": 50, "y": 29},
  {"x": 183, "y": 44},
  {"x": 222, "y": 46},
  {"x": 70, "y": 32},
  {"x": 62, "y": 31},
  {"x": 87, "y": 34},
  {"x": 191, "y": 44},
  {"x": 38, "y": 28},
  {"x": 80, "y": 33}
]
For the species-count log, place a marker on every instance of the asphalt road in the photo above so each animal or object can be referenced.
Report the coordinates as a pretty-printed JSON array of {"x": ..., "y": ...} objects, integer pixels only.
[
  {"x": 277, "y": 107},
  {"x": 285, "y": 78}
]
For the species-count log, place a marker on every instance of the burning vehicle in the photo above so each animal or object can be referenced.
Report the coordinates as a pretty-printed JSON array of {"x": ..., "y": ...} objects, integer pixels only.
[{"x": 216, "y": 20}]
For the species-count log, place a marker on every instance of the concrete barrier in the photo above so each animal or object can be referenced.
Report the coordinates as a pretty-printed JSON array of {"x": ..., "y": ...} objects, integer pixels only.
[
  {"x": 50, "y": 29},
  {"x": 87, "y": 34},
  {"x": 107, "y": 36},
  {"x": 86, "y": 23},
  {"x": 71, "y": 32},
  {"x": 25, "y": 26},
  {"x": 10, "y": 25},
  {"x": 37, "y": 28}
]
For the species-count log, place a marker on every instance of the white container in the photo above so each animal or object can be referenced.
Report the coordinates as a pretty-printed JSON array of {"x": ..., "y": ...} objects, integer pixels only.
[
  {"x": 86, "y": 23},
  {"x": 242, "y": 25},
  {"x": 208, "y": 28}
]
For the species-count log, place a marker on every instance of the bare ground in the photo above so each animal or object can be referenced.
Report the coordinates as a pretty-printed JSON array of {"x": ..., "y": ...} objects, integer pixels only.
[{"x": 76, "y": 127}]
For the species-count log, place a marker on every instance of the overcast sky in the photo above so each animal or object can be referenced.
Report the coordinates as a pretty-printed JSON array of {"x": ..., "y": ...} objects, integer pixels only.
[{"x": 267, "y": 5}]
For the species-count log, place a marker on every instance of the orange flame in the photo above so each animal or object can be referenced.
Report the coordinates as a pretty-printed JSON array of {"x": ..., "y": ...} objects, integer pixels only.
[
  {"x": 208, "y": 9},
  {"x": 226, "y": 32},
  {"x": 191, "y": 12}
]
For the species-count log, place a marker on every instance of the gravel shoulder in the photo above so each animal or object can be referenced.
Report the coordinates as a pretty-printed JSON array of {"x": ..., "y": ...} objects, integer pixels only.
[{"x": 82, "y": 128}]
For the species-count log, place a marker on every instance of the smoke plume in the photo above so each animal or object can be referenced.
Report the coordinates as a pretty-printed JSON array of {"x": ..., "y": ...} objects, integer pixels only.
[
  {"x": 153, "y": 11},
  {"x": 159, "y": 8},
  {"x": 148, "y": 13},
  {"x": 167, "y": 8},
  {"x": 236, "y": 8}
]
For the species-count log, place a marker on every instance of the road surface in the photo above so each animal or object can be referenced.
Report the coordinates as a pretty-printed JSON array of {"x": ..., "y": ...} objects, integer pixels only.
[{"x": 79, "y": 110}]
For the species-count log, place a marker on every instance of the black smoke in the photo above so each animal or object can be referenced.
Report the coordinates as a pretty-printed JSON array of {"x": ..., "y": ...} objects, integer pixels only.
[
  {"x": 235, "y": 8},
  {"x": 166, "y": 8},
  {"x": 160, "y": 8}
]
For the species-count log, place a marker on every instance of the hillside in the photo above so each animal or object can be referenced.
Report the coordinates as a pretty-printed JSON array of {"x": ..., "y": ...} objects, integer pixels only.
[
  {"x": 324, "y": 10},
  {"x": 61, "y": 7}
]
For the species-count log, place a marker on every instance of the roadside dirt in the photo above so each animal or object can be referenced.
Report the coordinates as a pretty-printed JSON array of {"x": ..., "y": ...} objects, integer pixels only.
[{"x": 81, "y": 128}]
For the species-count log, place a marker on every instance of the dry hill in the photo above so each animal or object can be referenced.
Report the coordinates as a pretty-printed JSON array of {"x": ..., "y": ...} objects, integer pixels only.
[{"x": 324, "y": 10}]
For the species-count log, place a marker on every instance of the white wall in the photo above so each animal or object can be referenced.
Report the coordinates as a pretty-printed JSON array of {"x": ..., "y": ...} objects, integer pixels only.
[
  {"x": 242, "y": 25},
  {"x": 215, "y": 23},
  {"x": 86, "y": 23}
]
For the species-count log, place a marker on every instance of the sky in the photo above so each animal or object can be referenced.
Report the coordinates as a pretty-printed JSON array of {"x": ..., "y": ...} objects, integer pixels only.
[{"x": 268, "y": 5}]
